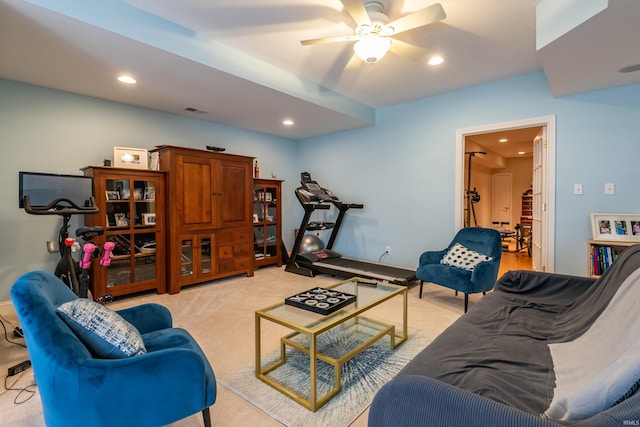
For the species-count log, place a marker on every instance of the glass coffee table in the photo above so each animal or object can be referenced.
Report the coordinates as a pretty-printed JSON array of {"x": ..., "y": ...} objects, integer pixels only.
[{"x": 307, "y": 326}]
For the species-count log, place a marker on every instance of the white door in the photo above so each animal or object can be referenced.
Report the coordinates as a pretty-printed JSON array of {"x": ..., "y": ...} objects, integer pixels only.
[
  {"x": 501, "y": 200},
  {"x": 537, "y": 227}
]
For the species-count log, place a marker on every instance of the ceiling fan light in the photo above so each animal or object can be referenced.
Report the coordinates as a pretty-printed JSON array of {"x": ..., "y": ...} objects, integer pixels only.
[
  {"x": 371, "y": 48},
  {"x": 127, "y": 79}
]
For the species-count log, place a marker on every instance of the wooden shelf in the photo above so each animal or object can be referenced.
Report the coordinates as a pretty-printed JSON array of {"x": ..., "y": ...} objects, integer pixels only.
[{"x": 602, "y": 253}]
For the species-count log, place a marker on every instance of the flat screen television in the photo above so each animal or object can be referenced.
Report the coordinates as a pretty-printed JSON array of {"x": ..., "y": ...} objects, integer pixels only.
[{"x": 43, "y": 188}]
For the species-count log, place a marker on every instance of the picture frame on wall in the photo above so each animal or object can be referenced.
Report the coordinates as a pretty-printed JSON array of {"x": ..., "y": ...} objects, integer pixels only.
[
  {"x": 615, "y": 227},
  {"x": 135, "y": 158}
]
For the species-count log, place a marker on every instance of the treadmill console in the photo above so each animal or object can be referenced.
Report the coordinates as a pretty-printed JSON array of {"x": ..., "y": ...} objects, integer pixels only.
[{"x": 311, "y": 191}]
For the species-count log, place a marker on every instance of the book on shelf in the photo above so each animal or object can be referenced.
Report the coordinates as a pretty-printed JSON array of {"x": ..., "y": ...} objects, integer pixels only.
[{"x": 602, "y": 257}]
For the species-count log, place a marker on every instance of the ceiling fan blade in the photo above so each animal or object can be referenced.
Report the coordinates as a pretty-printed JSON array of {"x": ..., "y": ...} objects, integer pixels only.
[
  {"x": 353, "y": 63},
  {"x": 422, "y": 17},
  {"x": 330, "y": 40},
  {"x": 406, "y": 50},
  {"x": 357, "y": 11}
]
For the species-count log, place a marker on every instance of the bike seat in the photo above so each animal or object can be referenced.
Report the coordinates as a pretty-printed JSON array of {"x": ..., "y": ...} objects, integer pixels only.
[{"x": 85, "y": 231}]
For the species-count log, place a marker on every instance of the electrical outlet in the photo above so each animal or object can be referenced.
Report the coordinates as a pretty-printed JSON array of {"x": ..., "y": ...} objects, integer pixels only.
[{"x": 387, "y": 249}]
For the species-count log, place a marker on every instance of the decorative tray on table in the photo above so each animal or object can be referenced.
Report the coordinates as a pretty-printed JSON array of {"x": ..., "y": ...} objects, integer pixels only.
[{"x": 320, "y": 300}]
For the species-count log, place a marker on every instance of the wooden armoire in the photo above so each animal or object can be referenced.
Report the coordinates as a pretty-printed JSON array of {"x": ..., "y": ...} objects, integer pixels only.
[{"x": 209, "y": 210}]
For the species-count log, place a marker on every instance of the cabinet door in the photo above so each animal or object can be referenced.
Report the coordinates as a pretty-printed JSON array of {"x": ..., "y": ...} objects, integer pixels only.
[
  {"x": 266, "y": 223},
  {"x": 197, "y": 257},
  {"x": 195, "y": 194},
  {"x": 234, "y": 184},
  {"x": 134, "y": 224},
  {"x": 213, "y": 193}
]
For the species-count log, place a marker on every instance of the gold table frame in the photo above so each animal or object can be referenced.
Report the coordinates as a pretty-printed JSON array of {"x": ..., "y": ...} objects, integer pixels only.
[{"x": 310, "y": 324}]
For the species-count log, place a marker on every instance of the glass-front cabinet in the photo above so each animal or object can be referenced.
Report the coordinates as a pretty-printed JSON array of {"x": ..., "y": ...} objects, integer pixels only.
[
  {"x": 131, "y": 204},
  {"x": 197, "y": 257},
  {"x": 267, "y": 222}
]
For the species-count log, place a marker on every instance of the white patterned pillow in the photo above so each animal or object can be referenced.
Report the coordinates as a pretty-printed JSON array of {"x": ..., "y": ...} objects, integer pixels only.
[
  {"x": 463, "y": 257},
  {"x": 103, "y": 331}
]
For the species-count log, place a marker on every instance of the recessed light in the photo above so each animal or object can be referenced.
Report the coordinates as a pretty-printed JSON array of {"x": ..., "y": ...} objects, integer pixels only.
[
  {"x": 127, "y": 79},
  {"x": 435, "y": 60},
  {"x": 287, "y": 122},
  {"x": 521, "y": 153},
  {"x": 503, "y": 140}
]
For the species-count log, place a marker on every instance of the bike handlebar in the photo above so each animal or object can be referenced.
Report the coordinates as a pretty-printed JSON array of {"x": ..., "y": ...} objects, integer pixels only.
[{"x": 61, "y": 206}]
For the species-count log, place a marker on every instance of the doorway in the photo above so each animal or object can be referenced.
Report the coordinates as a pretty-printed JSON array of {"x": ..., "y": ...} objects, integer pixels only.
[{"x": 542, "y": 181}]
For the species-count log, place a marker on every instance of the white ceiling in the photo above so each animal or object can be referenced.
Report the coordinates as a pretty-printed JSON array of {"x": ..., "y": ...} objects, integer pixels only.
[
  {"x": 242, "y": 63},
  {"x": 518, "y": 141}
]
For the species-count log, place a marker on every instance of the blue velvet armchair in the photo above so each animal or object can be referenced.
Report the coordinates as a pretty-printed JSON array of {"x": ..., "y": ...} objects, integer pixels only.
[
  {"x": 171, "y": 381},
  {"x": 461, "y": 266}
]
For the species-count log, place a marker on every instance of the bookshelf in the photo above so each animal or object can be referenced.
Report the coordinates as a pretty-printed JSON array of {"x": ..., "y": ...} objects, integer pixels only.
[{"x": 602, "y": 253}]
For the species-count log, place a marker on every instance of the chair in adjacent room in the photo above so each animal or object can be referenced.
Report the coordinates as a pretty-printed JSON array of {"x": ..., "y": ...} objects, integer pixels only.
[
  {"x": 99, "y": 367},
  {"x": 469, "y": 264}
]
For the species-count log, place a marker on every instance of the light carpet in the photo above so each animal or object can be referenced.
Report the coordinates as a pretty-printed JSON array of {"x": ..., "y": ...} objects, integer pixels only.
[{"x": 362, "y": 377}]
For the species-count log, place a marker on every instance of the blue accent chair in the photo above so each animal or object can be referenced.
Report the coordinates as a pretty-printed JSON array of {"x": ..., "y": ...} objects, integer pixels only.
[
  {"x": 486, "y": 241},
  {"x": 173, "y": 380}
]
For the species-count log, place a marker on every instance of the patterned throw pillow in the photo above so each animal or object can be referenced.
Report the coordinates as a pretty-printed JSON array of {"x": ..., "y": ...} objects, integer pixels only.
[
  {"x": 463, "y": 257},
  {"x": 103, "y": 331}
]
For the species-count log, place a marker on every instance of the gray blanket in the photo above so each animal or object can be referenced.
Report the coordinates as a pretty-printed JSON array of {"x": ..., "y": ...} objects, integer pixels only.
[
  {"x": 502, "y": 348},
  {"x": 608, "y": 356}
]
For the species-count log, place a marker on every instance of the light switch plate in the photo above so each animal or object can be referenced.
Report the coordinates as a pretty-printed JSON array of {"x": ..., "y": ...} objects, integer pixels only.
[
  {"x": 577, "y": 189},
  {"x": 609, "y": 188}
]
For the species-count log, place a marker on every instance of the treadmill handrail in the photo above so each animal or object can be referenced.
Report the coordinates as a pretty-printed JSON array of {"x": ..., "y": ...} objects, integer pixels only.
[{"x": 349, "y": 205}]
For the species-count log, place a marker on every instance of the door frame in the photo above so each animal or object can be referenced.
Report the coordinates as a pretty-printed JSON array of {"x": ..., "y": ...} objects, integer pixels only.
[{"x": 548, "y": 185}]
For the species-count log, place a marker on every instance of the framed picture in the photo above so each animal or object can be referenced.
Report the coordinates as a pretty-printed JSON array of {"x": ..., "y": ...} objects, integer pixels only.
[
  {"x": 615, "y": 227},
  {"x": 149, "y": 218},
  {"x": 136, "y": 158},
  {"x": 112, "y": 195},
  {"x": 121, "y": 220},
  {"x": 267, "y": 197}
]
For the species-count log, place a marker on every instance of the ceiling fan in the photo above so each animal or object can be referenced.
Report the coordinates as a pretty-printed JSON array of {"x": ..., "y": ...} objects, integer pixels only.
[{"x": 374, "y": 33}]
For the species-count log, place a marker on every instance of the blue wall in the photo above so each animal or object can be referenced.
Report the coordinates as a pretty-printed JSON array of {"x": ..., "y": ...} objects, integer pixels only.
[
  {"x": 402, "y": 168},
  {"x": 43, "y": 130}
]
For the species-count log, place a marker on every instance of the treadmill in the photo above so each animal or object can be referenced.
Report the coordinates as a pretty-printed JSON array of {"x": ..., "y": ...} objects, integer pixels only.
[{"x": 313, "y": 197}]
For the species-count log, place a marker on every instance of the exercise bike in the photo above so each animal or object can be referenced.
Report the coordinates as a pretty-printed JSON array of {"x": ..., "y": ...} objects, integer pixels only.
[{"x": 75, "y": 274}]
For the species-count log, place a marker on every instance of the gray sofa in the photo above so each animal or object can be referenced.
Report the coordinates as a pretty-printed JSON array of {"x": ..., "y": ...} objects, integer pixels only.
[{"x": 540, "y": 350}]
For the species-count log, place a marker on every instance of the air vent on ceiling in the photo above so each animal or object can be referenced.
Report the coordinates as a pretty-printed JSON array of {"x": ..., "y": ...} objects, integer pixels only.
[{"x": 196, "y": 110}]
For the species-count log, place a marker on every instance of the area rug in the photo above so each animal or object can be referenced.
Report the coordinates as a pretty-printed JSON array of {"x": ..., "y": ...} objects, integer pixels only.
[{"x": 362, "y": 377}]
